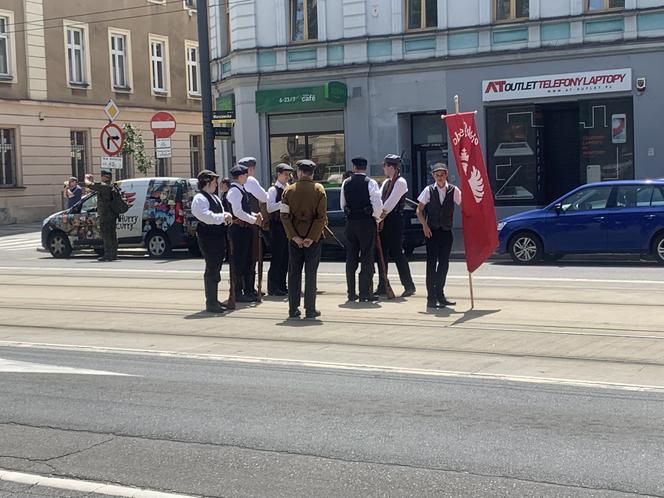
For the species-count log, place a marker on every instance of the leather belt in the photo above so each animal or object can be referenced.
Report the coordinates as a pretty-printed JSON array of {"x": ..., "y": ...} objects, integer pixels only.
[{"x": 241, "y": 223}]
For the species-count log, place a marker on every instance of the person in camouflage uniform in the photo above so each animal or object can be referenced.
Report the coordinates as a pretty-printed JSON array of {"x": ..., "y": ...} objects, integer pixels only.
[{"x": 107, "y": 217}]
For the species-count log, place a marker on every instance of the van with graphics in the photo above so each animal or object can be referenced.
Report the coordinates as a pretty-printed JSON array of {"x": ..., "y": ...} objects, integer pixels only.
[{"x": 159, "y": 219}]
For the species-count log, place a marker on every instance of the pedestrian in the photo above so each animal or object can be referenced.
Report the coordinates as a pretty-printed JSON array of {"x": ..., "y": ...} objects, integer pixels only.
[
  {"x": 241, "y": 235},
  {"x": 438, "y": 201},
  {"x": 393, "y": 194},
  {"x": 211, "y": 233},
  {"x": 360, "y": 201},
  {"x": 72, "y": 192},
  {"x": 105, "y": 214},
  {"x": 276, "y": 276},
  {"x": 304, "y": 216},
  {"x": 224, "y": 186}
]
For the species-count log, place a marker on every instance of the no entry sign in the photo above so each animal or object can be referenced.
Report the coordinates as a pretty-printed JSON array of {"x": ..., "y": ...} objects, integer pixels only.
[
  {"x": 112, "y": 139},
  {"x": 162, "y": 124}
]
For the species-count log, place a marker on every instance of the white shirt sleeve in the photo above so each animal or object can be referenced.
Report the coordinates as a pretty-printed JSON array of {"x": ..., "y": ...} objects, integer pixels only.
[
  {"x": 200, "y": 208},
  {"x": 400, "y": 189},
  {"x": 425, "y": 196},
  {"x": 457, "y": 196},
  {"x": 376, "y": 202},
  {"x": 272, "y": 205},
  {"x": 234, "y": 197},
  {"x": 342, "y": 196},
  {"x": 254, "y": 188}
]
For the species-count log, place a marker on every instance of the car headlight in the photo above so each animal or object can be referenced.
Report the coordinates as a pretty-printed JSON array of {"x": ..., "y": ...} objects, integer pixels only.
[{"x": 501, "y": 225}]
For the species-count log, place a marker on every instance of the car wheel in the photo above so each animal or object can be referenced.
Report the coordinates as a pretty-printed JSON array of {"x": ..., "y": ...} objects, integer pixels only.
[
  {"x": 658, "y": 248},
  {"x": 525, "y": 248},
  {"x": 158, "y": 245},
  {"x": 58, "y": 245}
]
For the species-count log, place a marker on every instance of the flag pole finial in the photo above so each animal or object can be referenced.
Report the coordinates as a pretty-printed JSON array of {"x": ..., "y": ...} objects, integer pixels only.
[{"x": 456, "y": 104}]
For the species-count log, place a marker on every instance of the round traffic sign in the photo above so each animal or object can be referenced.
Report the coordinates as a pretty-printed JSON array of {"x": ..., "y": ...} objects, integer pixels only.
[
  {"x": 112, "y": 139},
  {"x": 162, "y": 124}
]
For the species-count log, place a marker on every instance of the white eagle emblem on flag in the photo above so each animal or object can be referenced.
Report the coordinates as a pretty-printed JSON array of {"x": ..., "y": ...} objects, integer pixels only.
[{"x": 475, "y": 179}]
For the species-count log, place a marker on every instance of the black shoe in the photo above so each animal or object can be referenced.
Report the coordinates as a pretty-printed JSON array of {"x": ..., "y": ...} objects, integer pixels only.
[
  {"x": 312, "y": 315},
  {"x": 244, "y": 299},
  {"x": 353, "y": 297},
  {"x": 408, "y": 292},
  {"x": 294, "y": 314},
  {"x": 215, "y": 308},
  {"x": 102, "y": 258},
  {"x": 446, "y": 302},
  {"x": 380, "y": 292},
  {"x": 222, "y": 305},
  {"x": 279, "y": 293},
  {"x": 369, "y": 299},
  {"x": 432, "y": 304}
]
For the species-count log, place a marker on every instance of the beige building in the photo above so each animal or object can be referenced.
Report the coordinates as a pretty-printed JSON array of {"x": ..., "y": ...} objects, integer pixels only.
[{"x": 60, "y": 63}]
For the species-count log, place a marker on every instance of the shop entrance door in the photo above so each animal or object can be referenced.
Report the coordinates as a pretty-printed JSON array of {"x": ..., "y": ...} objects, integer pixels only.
[
  {"x": 561, "y": 149},
  {"x": 429, "y": 146},
  {"x": 424, "y": 158}
]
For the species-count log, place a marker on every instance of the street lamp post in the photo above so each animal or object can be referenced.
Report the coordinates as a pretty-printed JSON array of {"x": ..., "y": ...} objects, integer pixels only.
[{"x": 206, "y": 83}]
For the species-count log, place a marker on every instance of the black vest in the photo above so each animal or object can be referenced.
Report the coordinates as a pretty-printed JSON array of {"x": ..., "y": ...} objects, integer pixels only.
[
  {"x": 400, "y": 205},
  {"x": 209, "y": 231},
  {"x": 245, "y": 200},
  {"x": 276, "y": 216},
  {"x": 358, "y": 201},
  {"x": 441, "y": 215}
]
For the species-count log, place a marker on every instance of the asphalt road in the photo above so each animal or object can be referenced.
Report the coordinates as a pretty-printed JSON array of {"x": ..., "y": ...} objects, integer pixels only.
[{"x": 215, "y": 428}]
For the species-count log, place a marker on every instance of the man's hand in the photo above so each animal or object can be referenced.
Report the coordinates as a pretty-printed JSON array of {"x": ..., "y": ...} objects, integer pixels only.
[
  {"x": 307, "y": 242},
  {"x": 427, "y": 231},
  {"x": 299, "y": 241},
  {"x": 259, "y": 219},
  {"x": 228, "y": 218},
  {"x": 89, "y": 178}
]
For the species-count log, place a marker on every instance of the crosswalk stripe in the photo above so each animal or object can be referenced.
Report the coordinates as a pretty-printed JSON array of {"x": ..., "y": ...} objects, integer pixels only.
[{"x": 19, "y": 243}]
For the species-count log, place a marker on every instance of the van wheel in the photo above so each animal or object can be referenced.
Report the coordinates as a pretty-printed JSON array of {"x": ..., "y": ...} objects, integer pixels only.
[
  {"x": 58, "y": 245},
  {"x": 658, "y": 248},
  {"x": 525, "y": 248},
  {"x": 158, "y": 245}
]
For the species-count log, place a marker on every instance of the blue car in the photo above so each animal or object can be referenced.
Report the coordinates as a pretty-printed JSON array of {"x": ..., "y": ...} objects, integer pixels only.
[{"x": 608, "y": 217}]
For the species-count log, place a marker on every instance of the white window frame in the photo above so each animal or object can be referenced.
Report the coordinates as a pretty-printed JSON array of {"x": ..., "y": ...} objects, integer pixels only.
[
  {"x": 191, "y": 66},
  {"x": 9, "y": 77},
  {"x": 87, "y": 75},
  {"x": 158, "y": 2},
  {"x": 188, "y": 7},
  {"x": 129, "y": 73},
  {"x": 161, "y": 92}
]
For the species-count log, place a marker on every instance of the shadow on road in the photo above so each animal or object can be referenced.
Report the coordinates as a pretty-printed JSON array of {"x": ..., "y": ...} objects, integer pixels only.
[
  {"x": 300, "y": 323},
  {"x": 473, "y": 314}
]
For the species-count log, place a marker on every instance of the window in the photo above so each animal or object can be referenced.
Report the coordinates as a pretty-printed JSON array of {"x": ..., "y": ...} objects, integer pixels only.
[
  {"x": 78, "y": 141},
  {"x": 593, "y": 5},
  {"x": 76, "y": 63},
  {"x": 422, "y": 14},
  {"x": 7, "y": 157},
  {"x": 120, "y": 51},
  {"x": 193, "y": 69},
  {"x": 304, "y": 20},
  {"x": 4, "y": 47},
  {"x": 159, "y": 64},
  {"x": 657, "y": 197},
  {"x": 195, "y": 154},
  {"x": 588, "y": 199},
  {"x": 510, "y": 10},
  {"x": 190, "y": 4}
]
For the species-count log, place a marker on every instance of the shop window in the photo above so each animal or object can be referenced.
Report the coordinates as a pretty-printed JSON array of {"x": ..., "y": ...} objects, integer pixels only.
[
  {"x": 421, "y": 14},
  {"x": 79, "y": 147},
  {"x": 595, "y": 5},
  {"x": 511, "y": 10},
  {"x": 7, "y": 157},
  {"x": 304, "y": 20}
]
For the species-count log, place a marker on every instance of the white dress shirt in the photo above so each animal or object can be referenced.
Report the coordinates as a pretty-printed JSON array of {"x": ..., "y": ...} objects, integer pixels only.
[
  {"x": 398, "y": 191},
  {"x": 234, "y": 197},
  {"x": 254, "y": 188},
  {"x": 374, "y": 196},
  {"x": 200, "y": 208},
  {"x": 272, "y": 205},
  {"x": 425, "y": 196}
]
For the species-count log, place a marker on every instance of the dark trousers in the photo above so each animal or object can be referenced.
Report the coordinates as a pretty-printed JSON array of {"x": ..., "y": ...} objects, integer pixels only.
[
  {"x": 439, "y": 247},
  {"x": 360, "y": 245},
  {"x": 299, "y": 258},
  {"x": 242, "y": 239},
  {"x": 109, "y": 237},
  {"x": 276, "y": 276},
  {"x": 391, "y": 238},
  {"x": 213, "y": 250}
]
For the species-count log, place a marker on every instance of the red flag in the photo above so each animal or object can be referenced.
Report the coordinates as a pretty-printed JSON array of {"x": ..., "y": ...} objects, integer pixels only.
[{"x": 479, "y": 213}]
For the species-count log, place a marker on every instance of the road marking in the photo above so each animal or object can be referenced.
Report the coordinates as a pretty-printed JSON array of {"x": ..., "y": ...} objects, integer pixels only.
[
  {"x": 12, "y": 366},
  {"x": 100, "y": 488},
  {"x": 323, "y": 274},
  {"x": 344, "y": 366}
]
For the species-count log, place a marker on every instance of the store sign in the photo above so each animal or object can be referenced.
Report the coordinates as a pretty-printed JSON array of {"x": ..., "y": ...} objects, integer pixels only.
[
  {"x": 558, "y": 85},
  {"x": 331, "y": 95}
]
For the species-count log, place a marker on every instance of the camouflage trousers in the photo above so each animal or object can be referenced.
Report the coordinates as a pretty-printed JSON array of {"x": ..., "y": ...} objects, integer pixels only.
[{"x": 109, "y": 237}]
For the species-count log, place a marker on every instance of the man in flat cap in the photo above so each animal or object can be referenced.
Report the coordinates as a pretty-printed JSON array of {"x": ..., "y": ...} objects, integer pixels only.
[
  {"x": 393, "y": 194},
  {"x": 360, "y": 201},
  {"x": 107, "y": 217},
  {"x": 276, "y": 276},
  {"x": 438, "y": 201},
  {"x": 242, "y": 235},
  {"x": 304, "y": 216}
]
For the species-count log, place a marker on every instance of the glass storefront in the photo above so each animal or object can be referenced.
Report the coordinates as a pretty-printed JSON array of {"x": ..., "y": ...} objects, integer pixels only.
[
  {"x": 536, "y": 153},
  {"x": 429, "y": 146}
]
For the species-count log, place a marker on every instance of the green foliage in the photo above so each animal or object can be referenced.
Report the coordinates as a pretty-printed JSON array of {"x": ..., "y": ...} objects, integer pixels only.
[{"x": 134, "y": 147}]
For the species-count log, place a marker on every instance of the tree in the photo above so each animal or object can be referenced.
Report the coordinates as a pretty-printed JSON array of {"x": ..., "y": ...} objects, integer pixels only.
[{"x": 135, "y": 147}]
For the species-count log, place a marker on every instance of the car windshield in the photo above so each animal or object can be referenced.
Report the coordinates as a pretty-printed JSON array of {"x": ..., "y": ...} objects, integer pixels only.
[{"x": 587, "y": 199}]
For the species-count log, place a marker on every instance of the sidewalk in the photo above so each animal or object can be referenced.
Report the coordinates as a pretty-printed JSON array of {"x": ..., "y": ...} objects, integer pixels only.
[{"x": 19, "y": 228}]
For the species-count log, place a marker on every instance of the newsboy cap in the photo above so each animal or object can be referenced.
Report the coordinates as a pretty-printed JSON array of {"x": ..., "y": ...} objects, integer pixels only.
[
  {"x": 392, "y": 159},
  {"x": 106, "y": 171},
  {"x": 439, "y": 167},
  {"x": 245, "y": 161},
  {"x": 239, "y": 170},
  {"x": 359, "y": 162},
  {"x": 306, "y": 165},
  {"x": 206, "y": 175},
  {"x": 281, "y": 167}
]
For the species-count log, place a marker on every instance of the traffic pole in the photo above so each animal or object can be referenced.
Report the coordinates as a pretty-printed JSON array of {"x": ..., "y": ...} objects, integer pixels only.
[{"x": 202, "y": 13}]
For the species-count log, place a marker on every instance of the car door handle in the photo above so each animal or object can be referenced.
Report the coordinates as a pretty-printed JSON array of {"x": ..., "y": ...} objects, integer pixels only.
[
  {"x": 599, "y": 218},
  {"x": 649, "y": 216}
]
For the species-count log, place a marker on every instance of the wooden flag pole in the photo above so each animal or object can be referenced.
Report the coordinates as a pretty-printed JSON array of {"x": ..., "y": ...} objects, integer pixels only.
[{"x": 470, "y": 275}]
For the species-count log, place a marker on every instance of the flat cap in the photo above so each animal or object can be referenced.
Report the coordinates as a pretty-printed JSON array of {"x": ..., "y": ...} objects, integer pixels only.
[
  {"x": 281, "y": 167},
  {"x": 439, "y": 167},
  {"x": 106, "y": 171},
  {"x": 239, "y": 170},
  {"x": 306, "y": 165},
  {"x": 360, "y": 162},
  {"x": 206, "y": 174},
  {"x": 73, "y": 179},
  {"x": 392, "y": 159},
  {"x": 247, "y": 160}
]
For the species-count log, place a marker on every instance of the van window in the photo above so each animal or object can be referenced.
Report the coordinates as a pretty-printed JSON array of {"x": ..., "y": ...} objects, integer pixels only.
[{"x": 89, "y": 205}]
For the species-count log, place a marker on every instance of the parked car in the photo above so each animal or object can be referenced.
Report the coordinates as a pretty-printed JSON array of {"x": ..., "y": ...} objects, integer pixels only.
[
  {"x": 159, "y": 220},
  {"x": 607, "y": 217}
]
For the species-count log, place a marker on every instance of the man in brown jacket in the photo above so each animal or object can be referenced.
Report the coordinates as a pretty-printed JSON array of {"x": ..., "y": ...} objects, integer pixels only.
[{"x": 304, "y": 216}]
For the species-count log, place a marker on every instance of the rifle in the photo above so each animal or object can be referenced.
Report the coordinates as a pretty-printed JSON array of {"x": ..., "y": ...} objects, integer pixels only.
[
  {"x": 259, "y": 255},
  {"x": 231, "y": 273},
  {"x": 327, "y": 229},
  {"x": 383, "y": 268}
]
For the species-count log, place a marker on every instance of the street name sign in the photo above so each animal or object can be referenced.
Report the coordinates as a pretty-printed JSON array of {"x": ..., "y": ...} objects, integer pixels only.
[
  {"x": 111, "y": 162},
  {"x": 163, "y": 153}
]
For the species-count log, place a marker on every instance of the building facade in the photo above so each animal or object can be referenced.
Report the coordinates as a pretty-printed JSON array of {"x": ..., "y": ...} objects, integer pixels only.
[
  {"x": 567, "y": 91},
  {"x": 60, "y": 63}
]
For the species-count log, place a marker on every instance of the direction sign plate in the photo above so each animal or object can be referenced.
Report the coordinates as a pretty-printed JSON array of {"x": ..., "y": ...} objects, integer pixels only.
[
  {"x": 111, "y": 162},
  {"x": 163, "y": 143}
]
